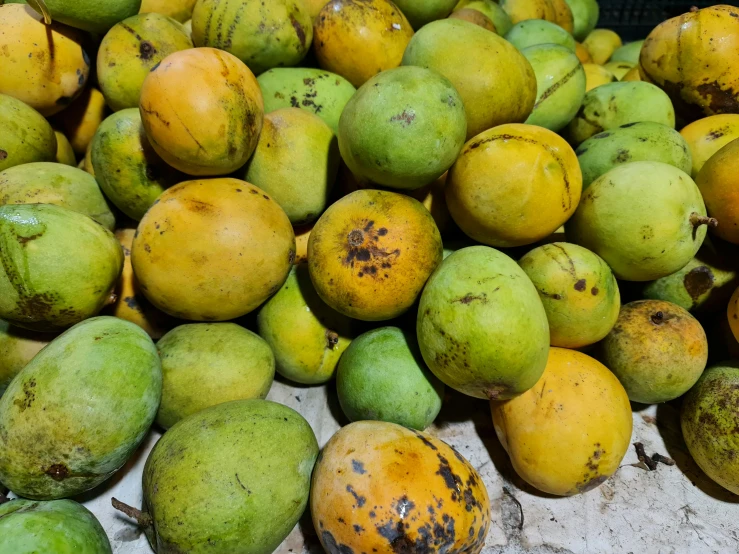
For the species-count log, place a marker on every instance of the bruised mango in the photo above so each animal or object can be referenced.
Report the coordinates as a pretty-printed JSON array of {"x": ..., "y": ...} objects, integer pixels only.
[
  {"x": 522, "y": 10},
  {"x": 596, "y": 75},
  {"x": 64, "y": 151},
  {"x": 717, "y": 183},
  {"x": 81, "y": 120},
  {"x": 421, "y": 12},
  {"x": 492, "y": 10},
  {"x": 708, "y": 135},
  {"x": 398, "y": 487},
  {"x": 179, "y": 10},
  {"x": 569, "y": 432},
  {"x": 17, "y": 347},
  {"x": 474, "y": 16},
  {"x": 602, "y": 43},
  {"x": 539, "y": 31},
  {"x": 27, "y": 137}
]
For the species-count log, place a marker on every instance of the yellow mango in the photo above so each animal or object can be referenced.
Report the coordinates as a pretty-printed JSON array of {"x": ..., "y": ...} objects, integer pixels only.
[
  {"x": 708, "y": 135},
  {"x": 619, "y": 69},
  {"x": 563, "y": 15},
  {"x": 180, "y": 10},
  {"x": 582, "y": 53},
  {"x": 632, "y": 75},
  {"x": 476, "y": 17},
  {"x": 302, "y": 234},
  {"x": 597, "y": 75},
  {"x": 733, "y": 314},
  {"x": 64, "y": 152},
  {"x": 717, "y": 182},
  {"x": 602, "y": 43},
  {"x": 80, "y": 121},
  {"x": 521, "y": 10}
]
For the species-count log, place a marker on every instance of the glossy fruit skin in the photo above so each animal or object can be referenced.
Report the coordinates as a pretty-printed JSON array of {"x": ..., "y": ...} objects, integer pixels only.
[
  {"x": 82, "y": 118},
  {"x": 532, "y": 32},
  {"x": 708, "y": 135},
  {"x": 17, "y": 348},
  {"x": 596, "y": 75},
  {"x": 582, "y": 445},
  {"x": 27, "y": 136},
  {"x": 399, "y": 486},
  {"x": 602, "y": 43},
  {"x": 585, "y": 15},
  {"x": 717, "y": 183},
  {"x": 91, "y": 15},
  {"x": 179, "y": 10}
]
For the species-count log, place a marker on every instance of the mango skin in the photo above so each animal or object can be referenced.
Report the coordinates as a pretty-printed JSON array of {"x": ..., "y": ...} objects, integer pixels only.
[
  {"x": 492, "y": 10},
  {"x": 497, "y": 86},
  {"x": 481, "y": 326},
  {"x": 302, "y": 234},
  {"x": 717, "y": 183},
  {"x": 201, "y": 495},
  {"x": 709, "y": 424},
  {"x": 305, "y": 334},
  {"x": 560, "y": 85},
  {"x": 52, "y": 183},
  {"x": 615, "y": 104},
  {"x": 632, "y": 75},
  {"x": 708, "y": 135},
  {"x": 212, "y": 231},
  {"x": 474, "y": 16},
  {"x": 319, "y": 92},
  {"x": 629, "y": 52},
  {"x": 82, "y": 118},
  {"x": 411, "y": 489},
  {"x": 17, "y": 348},
  {"x": 522, "y": 10},
  {"x": 91, "y": 15},
  {"x": 27, "y": 136},
  {"x": 421, "y": 12},
  {"x": 582, "y": 53},
  {"x": 371, "y": 253},
  {"x": 619, "y": 69},
  {"x": 602, "y": 43},
  {"x": 569, "y": 432},
  {"x": 597, "y": 75},
  {"x": 64, "y": 150},
  {"x": 651, "y": 239},
  {"x": 585, "y": 14},
  {"x": 357, "y": 40},
  {"x": 58, "y": 526},
  {"x": 179, "y": 10},
  {"x": 633, "y": 142},
  {"x": 67, "y": 428},
  {"x": 532, "y": 32},
  {"x": 563, "y": 15},
  {"x": 130, "y": 50},
  {"x": 401, "y": 107},
  {"x": 513, "y": 185},
  {"x": 194, "y": 100},
  {"x": 382, "y": 377},
  {"x": 47, "y": 81}
]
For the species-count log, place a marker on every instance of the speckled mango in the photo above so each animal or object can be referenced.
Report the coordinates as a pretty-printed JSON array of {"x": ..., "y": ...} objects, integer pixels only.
[
  {"x": 64, "y": 151},
  {"x": 76, "y": 413},
  {"x": 397, "y": 487},
  {"x": 371, "y": 253},
  {"x": 179, "y": 10},
  {"x": 596, "y": 75},
  {"x": 585, "y": 15},
  {"x": 717, "y": 183},
  {"x": 522, "y": 10},
  {"x": 694, "y": 58},
  {"x": 202, "y": 110},
  {"x": 531, "y": 32},
  {"x": 602, "y": 43},
  {"x": 82, "y": 118},
  {"x": 197, "y": 248},
  {"x": 17, "y": 348},
  {"x": 130, "y": 50},
  {"x": 359, "y": 38},
  {"x": 421, "y": 12},
  {"x": 569, "y": 432},
  {"x": 302, "y": 234},
  {"x": 708, "y": 135},
  {"x": 492, "y": 10},
  {"x": 43, "y": 66},
  {"x": 563, "y": 15},
  {"x": 474, "y": 16}
]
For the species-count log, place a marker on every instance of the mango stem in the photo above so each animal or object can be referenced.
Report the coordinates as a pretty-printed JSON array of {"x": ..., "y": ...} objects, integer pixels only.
[
  {"x": 142, "y": 518},
  {"x": 697, "y": 220}
]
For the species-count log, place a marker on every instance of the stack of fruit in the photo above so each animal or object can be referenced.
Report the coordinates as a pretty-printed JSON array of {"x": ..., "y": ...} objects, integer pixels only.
[{"x": 343, "y": 189}]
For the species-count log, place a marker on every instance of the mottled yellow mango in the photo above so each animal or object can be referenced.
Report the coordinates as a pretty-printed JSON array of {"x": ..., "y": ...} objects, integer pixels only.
[{"x": 708, "y": 135}]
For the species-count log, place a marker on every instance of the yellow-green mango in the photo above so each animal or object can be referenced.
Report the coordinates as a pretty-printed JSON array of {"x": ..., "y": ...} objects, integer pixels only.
[
  {"x": 179, "y": 10},
  {"x": 596, "y": 75},
  {"x": 585, "y": 14},
  {"x": 421, "y": 12},
  {"x": 602, "y": 43},
  {"x": 708, "y": 135},
  {"x": 26, "y": 136},
  {"x": 619, "y": 69},
  {"x": 64, "y": 150},
  {"x": 629, "y": 52},
  {"x": 531, "y": 32},
  {"x": 492, "y": 10},
  {"x": 17, "y": 348}
]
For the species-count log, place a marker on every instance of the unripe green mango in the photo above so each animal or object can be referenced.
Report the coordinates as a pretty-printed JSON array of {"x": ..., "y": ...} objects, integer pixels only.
[
  {"x": 629, "y": 52},
  {"x": 76, "y": 413},
  {"x": 89, "y": 15},
  {"x": 585, "y": 15},
  {"x": 26, "y": 136},
  {"x": 532, "y": 32},
  {"x": 425, "y": 11},
  {"x": 17, "y": 348}
]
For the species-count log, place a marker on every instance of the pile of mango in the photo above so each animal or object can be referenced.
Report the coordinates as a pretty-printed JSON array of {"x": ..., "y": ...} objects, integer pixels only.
[{"x": 413, "y": 198}]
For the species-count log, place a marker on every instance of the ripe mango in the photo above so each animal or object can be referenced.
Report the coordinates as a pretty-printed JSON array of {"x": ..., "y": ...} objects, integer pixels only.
[
  {"x": 522, "y": 10},
  {"x": 717, "y": 183},
  {"x": 531, "y": 32},
  {"x": 632, "y": 74},
  {"x": 563, "y": 15},
  {"x": 596, "y": 75},
  {"x": 582, "y": 53},
  {"x": 179, "y": 10},
  {"x": 619, "y": 69},
  {"x": 629, "y": 52},
  {"x": 602, "y": 43},
  {"x": 302, "y": 234},
  {"x": 492, "y": 10},
  {"x": 82, "y": 118},
  {"x": 64, "y": 151},
  {"x": 27, "y": 136},
  {"x": 474, "y": 16},
  {"x": 708, "y": 135},
  {"x": 17, "y": 348}
]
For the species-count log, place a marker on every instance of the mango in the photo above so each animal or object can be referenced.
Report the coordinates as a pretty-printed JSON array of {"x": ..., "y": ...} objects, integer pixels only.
[
  {"x": 102, "y": 374},
  {"x": 492, "y": 10},
  {"x": 717, "y": 183},
  {"x": 708, "y": 135},
  {"x": 64, "y": 151},
  {"x": 129, "y": 171},
  {"x": 421, "y": 12},
  {"x": 513, "y": 185},
  {"x": 709, "y": 83},
  {"x": 235, "y": 476},
  {"x": 44, "y": 66},
  {"x": 27, "y": 137},
  {"x": 560, "y": 85},
  {"x": 371, "y": 253},
  {"x": 382, "y": 377},
  {"x": 732, "y": 312},
  {"x": 612, "y": 105},
  {"x": 82, "y": 118},
  {"x": 563, "y": 15},
  {"x": 628, "y": 52},
  {"x": 319, "y": 92},
  {"x": 632, "y": 75},
  {"x": 619, "y": 69},
  {"x": 596, "y": 75},
  {"x": 476, "y": 17},
  {"x": 296, "y": 161},
  {"x": 648, "y": 239},
  {"x": 302, "y": 234},
  {"x": 306, "y": 336},
  {"x": 522, "y": 10},
  {"x": 482, "y": 328},
  {"x": 709, "y": 422},
  {"x": 633, "y": 142},
  {"x": 357, "y": 40},
  {"x": 314, "y": 7},
  {"x": 91, "y": 15},
  {"x": 539, "y": 31},
  {"x": 262, "y": 35},
  {"x": 179, "y": 10},
  {"x": 585, "y": 14},
  {"x": 17, "y": 347},
  {"x": 497, "y": 87},
  {"x": 58, "y": 526},
  {"x": 575, "y": 439},
  {"x": 212, "y": 231},
  {"x": 130, "y": 50},
  {"x": 403, "y": 488},
  {"x": 401, "y": 107},
  {"x": 602, "y": 43},
  {"x": 86, "y": 162},
  {"x": 52, "y": 183},
  {"x": 187, "y": 25},
  {"x": 582, "y": 53}
]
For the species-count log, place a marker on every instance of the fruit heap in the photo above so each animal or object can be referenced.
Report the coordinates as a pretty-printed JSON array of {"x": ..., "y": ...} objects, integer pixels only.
[{"x": 412, "y": 197}]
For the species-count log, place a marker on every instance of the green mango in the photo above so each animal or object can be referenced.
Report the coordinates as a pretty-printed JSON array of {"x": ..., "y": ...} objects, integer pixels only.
[
  {"x": 585, "y": 14},
  {"x": 204, "y": 364},
  {"x": 306, "y": 335},
  {"x": 130, "y": 173},
  {"x": 532, "y": 32},
  {"x": 232, "y": 478},
  {"x": 89, "y": 15},
  {"x": 76, "y": 413},
  {"x": 629, "y": 53},
  {"x": 382, "y": 377},
  {"x": 55, "y": 527},
  {"x": 492, "y": 10},
  {"x": 633, "y": 142},
  {"x": 421, "y": 12},
  {"x": 57, "y": 266},
  {"x": 645, "y": 219},
  {"x": 615, "y": 104},
  {"x": 481, "y": 326},
  {"x": 560, "y": 85},
  {"x": 619, "y": 69},
  {"x": 26, "y": 135},
  {"x": 53, "y": 183},
  {"x": 393, "y": 110},
  {"x": 17, "y": 348}
]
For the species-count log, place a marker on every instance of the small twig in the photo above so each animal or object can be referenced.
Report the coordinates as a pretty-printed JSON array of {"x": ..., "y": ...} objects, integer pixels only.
[
  {"x": 507, "y": 492},
  {"x": 697, "y": 220},
  {"x": 642, "y": 455},
  {"x": 656, "y": 457},
  {"x": 142, "y": 518}
]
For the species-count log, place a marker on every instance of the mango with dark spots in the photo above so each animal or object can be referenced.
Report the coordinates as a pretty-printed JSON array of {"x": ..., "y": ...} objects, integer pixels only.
[
  {"x": 471, "y": 326},
  {"x": 531, "y": 32},
  {"x": 522, "y": 10},
  {"x": 76, "y": 413},
  {"x": 371, "y": 253},
  {"x": 602, "y": 43},
  {"x": 708, "y": 83},
  {"x": 596, "y": 75},
  {"x": 513, "y": 185},
  {"x": 202, "y": 110},
  {"x": 27, "y": 137},
  {"x": 179, "y": 10},
  {"x": 717, "y": 183},
  {"x": 474, "y": 16},
  {"x": 44, "y": 66},
  {"x": 400, "y": 490},
  {"x": 212, "y": 250},
  {"x": 261, "y": 34},
  {"x": 52, "y": 183},
  {"x": 82, "y": 118},
  {"x": 421, "y": 12},
  {"x": 130, "y": 50},
  {"x": 64, "y": 151},
  {"x": 490, "y": 9},
  {"x": 570, "y": 431},
  {"x": 563, "y": 15},
  {"x": 302, "y": 234},
  {"x": 619, "y": 69},
  {"x": 709, "y": 422},
  {"x": 585, "y": 14},
  {"x": 708, "y": 135},
  {"x": 17, "y": 348}
]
